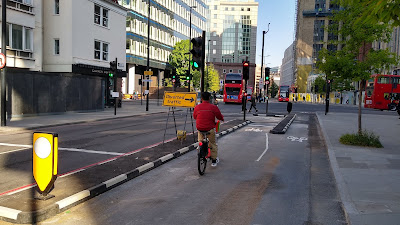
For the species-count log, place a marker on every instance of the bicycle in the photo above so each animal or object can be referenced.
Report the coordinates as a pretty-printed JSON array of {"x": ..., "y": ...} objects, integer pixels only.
[{"x": 204, "y": 153}]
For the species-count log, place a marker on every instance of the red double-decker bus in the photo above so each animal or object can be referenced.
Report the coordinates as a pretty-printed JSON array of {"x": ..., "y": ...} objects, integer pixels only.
[
  {"x": 382, "y": 91},
  {"x": 283, "y": 95},
  {"x": 233, "y": 88}
]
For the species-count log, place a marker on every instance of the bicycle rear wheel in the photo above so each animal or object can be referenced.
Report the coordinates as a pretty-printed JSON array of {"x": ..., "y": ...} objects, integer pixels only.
[{"x": 201, "y": 164}]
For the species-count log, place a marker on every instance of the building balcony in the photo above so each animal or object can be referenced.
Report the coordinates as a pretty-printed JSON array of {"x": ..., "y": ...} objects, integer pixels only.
[{"x": 317, "y": 13}]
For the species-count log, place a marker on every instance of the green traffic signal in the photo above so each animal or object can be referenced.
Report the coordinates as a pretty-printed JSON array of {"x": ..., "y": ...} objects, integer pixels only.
[
  {"x": 187, "y": 78},
  {"x": 110, "y": 75},
  {"x": 195, "y": 65},
  {"x": 173, "y": 77},
  {"x": 267, "y": 78}
]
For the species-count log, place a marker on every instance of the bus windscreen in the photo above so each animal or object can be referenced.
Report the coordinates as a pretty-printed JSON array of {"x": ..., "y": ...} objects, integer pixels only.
[{"x": 233, "y": 78}]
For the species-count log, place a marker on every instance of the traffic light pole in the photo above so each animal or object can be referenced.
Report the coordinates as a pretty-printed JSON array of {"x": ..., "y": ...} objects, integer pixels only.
[
  {"x": 190, "y": 45},
  {"x": 115, "y": 85},
  {"x": 203, "y": 53},
  {"x": 148, "y": 56}
]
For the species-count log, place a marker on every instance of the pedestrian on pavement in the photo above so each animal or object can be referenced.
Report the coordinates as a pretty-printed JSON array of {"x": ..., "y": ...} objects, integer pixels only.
[
  {"x": 205, "y": 114},
  {"x": 253, "y": 103}
]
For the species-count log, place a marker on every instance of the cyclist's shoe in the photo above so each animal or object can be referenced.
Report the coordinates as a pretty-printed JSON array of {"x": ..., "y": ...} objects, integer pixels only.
[{"x": 215, "y": 162}]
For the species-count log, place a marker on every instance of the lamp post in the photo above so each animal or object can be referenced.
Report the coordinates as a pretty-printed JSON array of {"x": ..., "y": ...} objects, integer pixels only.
[
  {"x": 190, "y": 38},
  {"x": 262, "y": 67},
  {"x": 208, "y": 61},
  {"x": 148, "y": 56},
  {"x": 3, "y": 71}
]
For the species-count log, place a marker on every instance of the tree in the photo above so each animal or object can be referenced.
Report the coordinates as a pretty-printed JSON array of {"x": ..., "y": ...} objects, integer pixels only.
[
  {"x": 274, "y": 89},
  {"x": 386, "y": 11},
  {"x": 211, "y": 79},
  {"x": 179, "y": 58},
  {"x": 356, "y": 61},
  {"x": 319, "y": 85}
]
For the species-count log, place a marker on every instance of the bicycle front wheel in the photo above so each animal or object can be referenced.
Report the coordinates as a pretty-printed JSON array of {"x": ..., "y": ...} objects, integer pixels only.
[{"x": 201, "y": 164}]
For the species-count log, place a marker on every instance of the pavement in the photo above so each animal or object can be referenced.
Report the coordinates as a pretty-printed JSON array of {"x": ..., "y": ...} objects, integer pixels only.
[{"x": 367, "y": 178}]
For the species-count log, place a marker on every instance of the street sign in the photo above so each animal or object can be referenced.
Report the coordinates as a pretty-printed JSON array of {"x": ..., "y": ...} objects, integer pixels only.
[
  {"x": 115, "y": 94},
  {"x": 180, "y": 99},
  {"x": 147, "y": 80},
  {"x": 267, "y": 82},
  {"x": 148, "y": 73},
  {"x": 2, "y": 60},
  {"x": 261, "y": 83},
  {"x": 45, "y": 161}
]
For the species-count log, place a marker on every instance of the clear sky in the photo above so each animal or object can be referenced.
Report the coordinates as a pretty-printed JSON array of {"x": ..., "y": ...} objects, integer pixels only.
[{"x": 280, "y": 15}]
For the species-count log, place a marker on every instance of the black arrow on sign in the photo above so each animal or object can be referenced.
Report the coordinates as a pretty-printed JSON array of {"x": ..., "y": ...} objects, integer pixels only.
[{"x": 190, "y": 99}]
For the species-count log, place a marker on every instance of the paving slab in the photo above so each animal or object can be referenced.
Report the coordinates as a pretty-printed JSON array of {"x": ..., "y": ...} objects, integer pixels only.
[{"x": 367, "y": 178}]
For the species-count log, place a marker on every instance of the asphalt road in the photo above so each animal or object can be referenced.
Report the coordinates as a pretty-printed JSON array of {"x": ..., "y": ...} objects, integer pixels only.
[
  {"x": 262, "y": 178},
  {"x": 84, "y": 144}
]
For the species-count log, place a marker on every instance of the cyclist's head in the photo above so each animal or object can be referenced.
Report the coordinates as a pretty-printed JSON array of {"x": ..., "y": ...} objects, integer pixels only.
[{"x": 205, "y": 96}]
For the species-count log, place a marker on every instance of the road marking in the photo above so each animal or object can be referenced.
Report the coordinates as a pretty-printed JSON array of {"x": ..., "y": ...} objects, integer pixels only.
[
  {"x": 16, "y": 150},
  {"x": 64, "y": 149},
  {"x": 254, "y": 130},
  {"x": 90, "y": 151},
  {"x": 266, "y": 147},
  {"x": 301, "y": 139}
]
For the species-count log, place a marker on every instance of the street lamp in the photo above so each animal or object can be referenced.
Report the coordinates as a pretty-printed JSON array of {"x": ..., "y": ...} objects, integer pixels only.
[
  {"x": 190, "y": 38},
  {"x": 262, "y": 65}
]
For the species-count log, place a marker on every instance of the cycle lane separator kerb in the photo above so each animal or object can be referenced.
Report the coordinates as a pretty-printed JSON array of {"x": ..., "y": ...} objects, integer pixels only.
[{"x": 17, "y": 216}]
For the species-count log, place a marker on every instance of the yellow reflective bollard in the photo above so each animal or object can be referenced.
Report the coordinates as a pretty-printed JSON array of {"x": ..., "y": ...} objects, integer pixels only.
[{"x": 45, "y": 162}]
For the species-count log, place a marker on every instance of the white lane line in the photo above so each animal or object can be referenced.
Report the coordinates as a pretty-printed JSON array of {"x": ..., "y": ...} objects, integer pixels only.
[
  {"x": 64, "y": 149},
  {"x": 266, "y": 147},
  {"x": 16, "y": 145},
  {"x": 16, "y": 150},
  {"x": 90, "y": 151}
]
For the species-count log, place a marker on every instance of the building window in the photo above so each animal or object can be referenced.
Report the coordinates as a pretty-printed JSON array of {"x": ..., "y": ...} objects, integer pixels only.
[
  {"x": 101, "y": 50},
  {"x": 239, "y": 71},
  {"x": 57, "y": 46},
  {"x": 224, "y": 71},
  {"x": 215, "y": 7},
  {"x": 242, "y": 9},
  {"x": 214, "y": 42},
  {"x": 215, "y": 25},
  {"x": 226, "y": 9},
  {"x": 20, "y": 37},
  {"x": 214, "y": 51},
  {"x": 233, "y": 8},
  {"x": 230, "y": 71},
  {"x": 215, "y": 16},
  {"x": 248, "y": 9},
  {"x": 100, "y": 16},
  {"x": 57, "y": 7}
]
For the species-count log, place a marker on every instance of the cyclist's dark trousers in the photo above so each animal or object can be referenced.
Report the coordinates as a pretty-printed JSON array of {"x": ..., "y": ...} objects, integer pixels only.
[
  {"x": 252, "y": 106},
  {"x": 213, "y": 143}
]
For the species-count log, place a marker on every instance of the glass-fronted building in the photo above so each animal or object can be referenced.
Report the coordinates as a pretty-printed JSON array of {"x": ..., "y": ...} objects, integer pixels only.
[{"x": 169, "y": 24}]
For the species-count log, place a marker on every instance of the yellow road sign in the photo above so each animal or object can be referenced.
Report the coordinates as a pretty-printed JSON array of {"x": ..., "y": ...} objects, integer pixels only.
[
  {"x": 150, "y": 73},
  {"x": 180, "y": 99},
  {"x": 45, "y": 160}
]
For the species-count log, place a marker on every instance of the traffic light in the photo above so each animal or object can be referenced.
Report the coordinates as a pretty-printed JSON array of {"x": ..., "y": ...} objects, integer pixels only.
[
  {"x": 173, "y": 73},
  {"x": 113, "y": 66},
  {"x": 267, "y": 73},
  {"x": 246, "y": 66},
  {"x": 197, "y": 52},
  {"x": 188, "y": 76},
  {"x": 140, "y": 81}
]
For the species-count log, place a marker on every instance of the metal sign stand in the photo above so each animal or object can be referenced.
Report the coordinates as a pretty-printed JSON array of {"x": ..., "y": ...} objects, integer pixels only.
[
  {"x": 189, "y": 111},
  {"x": 166, "y": 124}
]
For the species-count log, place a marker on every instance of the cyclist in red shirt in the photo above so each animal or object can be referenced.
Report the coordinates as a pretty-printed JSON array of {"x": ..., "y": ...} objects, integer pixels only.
[{"x": 205, "y": 114}]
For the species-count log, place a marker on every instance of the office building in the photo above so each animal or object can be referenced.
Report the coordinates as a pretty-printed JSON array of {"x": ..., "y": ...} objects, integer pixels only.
[
  {"x": 169, "y": 24},
  {"x": 232, "y": 37},
  {"x": 59, "y": 53}
]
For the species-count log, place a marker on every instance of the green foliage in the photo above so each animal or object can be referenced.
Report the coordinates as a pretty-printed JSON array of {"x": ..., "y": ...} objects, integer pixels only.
[
  {"x": 387, "y": 11},
  {"x": 179, "y": 58},
  {"x": 363, "y": 138},
  {"x": 211, "y": 79},
  {"x": 274, "y": 90},
  {"x": 320, "y": 82}
]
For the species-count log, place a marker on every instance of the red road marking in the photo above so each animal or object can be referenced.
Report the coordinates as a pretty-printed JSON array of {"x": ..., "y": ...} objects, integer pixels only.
[{"x": 91, "y": 165}]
